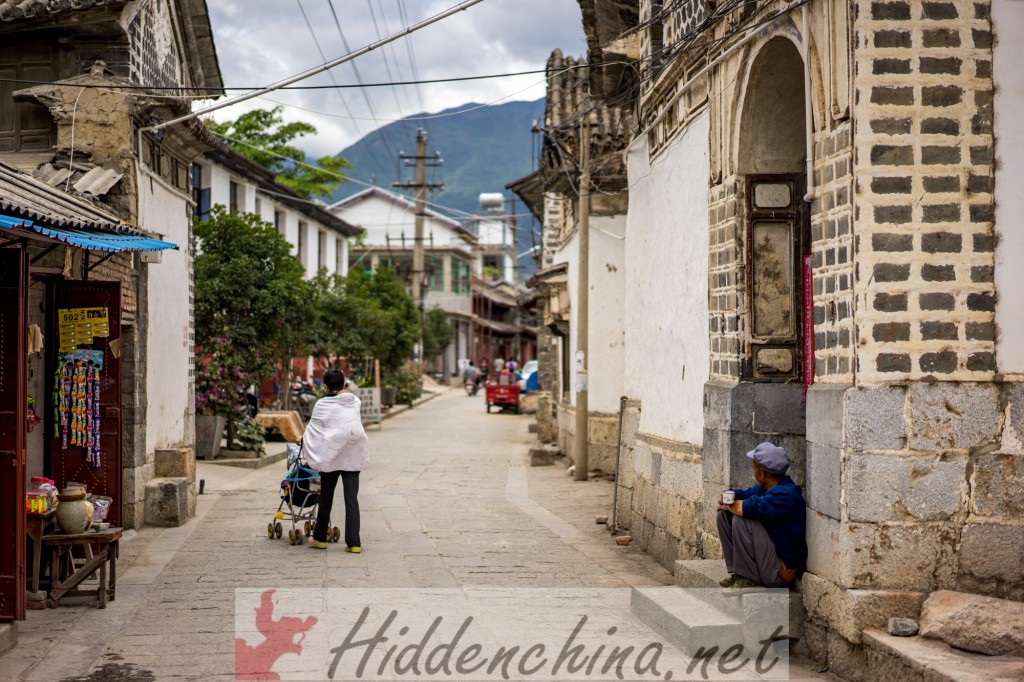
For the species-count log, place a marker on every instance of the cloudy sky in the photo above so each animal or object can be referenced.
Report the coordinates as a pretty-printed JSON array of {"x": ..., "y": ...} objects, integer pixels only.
[{"x": 262, "y": 41}]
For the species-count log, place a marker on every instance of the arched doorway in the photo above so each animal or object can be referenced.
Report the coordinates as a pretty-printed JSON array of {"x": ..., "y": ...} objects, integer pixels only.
[{"x": 771, "y": 157}]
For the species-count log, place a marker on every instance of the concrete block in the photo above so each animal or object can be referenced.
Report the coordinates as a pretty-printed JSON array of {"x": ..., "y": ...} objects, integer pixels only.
[
  {"x": 823, "y": 549},
  {"x": 997, "y": 485},
  {"x": 846, "y": 660},
  {"x": 715, "y": 455},
  {"x": 681, "y": 477},
  {"x": 814, "y": 643},
  {"x": 532, "y": 427},
  {"x": 779, "y": 408},
  {"x": 823, "y": 486},
  {"x": 930, "y": 660},
  {"x": 601, "y": 457},
  {"x": 133, "y": 482},
  {"x": 176, "y": 463},
  {"x": 992, "y": 553},
  {"x": 741, "y": 473},
  {"x": 883, "y": 487},
  {"x": 728, "y": 406},
  {"x": 874, "y": 418},
  {"x": 656, "y": 467},
  {"x": 986, "y": 625},
  {"x": 627, "y": 466},
  {"x": 918, "y": 556},
  {"x": 796, "y": 448},
  {"x": 953, "y": 416},
  {"x": 544, "y": 455},
  {"x": 709, "y": 546},
  {"x": 643, "y": 464},
  {"x": 825, "y": 413},
  {"x": 849, "y": 612},
  {"x": 603, "y": 430},
  {"x": 703, "y": 573},
  {"x": 167, "y": 502}
]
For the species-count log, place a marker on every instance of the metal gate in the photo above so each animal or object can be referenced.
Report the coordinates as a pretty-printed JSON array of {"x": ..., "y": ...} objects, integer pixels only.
[
  {"x": 71, "y": 463},
  {"x": 13, "y": 403}
]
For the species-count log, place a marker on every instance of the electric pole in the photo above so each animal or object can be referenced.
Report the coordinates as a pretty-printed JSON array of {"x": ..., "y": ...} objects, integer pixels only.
[
  {"x": 421, "y": 186},
  {"x": 580, "y": 438}
]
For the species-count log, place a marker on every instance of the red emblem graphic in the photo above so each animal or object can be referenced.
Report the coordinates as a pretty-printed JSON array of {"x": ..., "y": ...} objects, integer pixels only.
[{"x": 254, "y": 663}]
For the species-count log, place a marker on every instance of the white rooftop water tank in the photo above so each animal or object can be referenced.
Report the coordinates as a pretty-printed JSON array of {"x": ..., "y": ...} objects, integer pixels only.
[{"x": 492, "y": 200}]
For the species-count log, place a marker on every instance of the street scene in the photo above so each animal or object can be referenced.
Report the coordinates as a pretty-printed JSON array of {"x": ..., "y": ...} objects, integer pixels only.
[{"x": 547, "y": 339}]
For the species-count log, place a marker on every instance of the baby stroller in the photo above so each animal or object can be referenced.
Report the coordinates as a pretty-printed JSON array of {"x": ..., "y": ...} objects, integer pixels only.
[{"x": 300, "y": 492}]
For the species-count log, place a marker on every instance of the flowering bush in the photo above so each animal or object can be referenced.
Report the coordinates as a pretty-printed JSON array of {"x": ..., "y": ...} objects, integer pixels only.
[
  {"x": 220, "y": 384},
  {"x": 408, "y": 380}
]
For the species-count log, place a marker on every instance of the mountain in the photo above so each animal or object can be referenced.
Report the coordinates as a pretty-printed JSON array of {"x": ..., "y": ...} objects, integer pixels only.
[{"x": 484, "y": 148}]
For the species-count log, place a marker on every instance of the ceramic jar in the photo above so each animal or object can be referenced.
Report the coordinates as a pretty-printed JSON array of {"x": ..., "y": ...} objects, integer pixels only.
[{"x": 74, "y": 513}]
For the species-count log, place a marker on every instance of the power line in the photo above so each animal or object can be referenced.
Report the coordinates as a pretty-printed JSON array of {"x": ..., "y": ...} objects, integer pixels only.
[
  {"x": 461, "y": 7},
  {"x": 344, "y": 102}
]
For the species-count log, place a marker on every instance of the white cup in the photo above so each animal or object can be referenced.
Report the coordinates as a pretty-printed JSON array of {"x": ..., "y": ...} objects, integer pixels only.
[{"x": 728, "y": 496}]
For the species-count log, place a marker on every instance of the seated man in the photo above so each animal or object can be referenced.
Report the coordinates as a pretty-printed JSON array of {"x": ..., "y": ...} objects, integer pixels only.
[{"x": 762, "y": 531}]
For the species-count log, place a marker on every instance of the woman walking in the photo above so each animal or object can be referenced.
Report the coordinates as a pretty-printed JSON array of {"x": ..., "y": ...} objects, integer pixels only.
[{"x": 335, "y": 445}]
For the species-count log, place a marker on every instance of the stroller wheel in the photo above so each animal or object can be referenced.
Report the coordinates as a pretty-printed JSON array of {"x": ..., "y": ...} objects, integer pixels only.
[
  {"x": 278, "y": 530},
  {"x": 291, "y": 537},
  {"x": 336, "y": 534},
  {"x": 312, "y": 527},
  {"x": 270, "y": 531},
  {"x": 298, "y": 537},
  {"x": 305, "y": 528}
]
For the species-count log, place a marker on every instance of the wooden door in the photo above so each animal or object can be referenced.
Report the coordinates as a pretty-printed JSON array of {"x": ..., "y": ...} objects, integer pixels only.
[
  {"x": 71, "y": 463},
  {"x": 13, "y": 403}
]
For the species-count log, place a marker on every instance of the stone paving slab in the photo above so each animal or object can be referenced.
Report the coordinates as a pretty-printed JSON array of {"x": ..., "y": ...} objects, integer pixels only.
[{"x": 448, "y": 501}]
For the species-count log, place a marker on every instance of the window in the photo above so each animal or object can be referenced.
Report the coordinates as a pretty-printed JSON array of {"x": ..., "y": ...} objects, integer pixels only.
[
  {"x": 566, "y": 364},
  {"x": 234, "y": 198},
  {"x": 321, "y": 250},
  {"x": 339, "y": 256},
  {"x": 434, "y": 273},
  {"x": 200, "y": 194},
  {"x": 456, "y": 272},
  {"x": 466, "y": 279},
  {"x": 279, "y": 221},
  {"x": 778, "y": 242},
  {"x": 302, "y": 242},
  {"x": 26, "y": 126},
  {"x": 259, "y": 207}
]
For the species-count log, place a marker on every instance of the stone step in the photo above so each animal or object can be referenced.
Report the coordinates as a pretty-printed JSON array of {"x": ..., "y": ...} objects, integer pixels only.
[
  {"x": 251, "y": 462},
  {"x": 544, "y": 455},
  {"x": 683, "y": 618},
  {"x": 8, "y": 636},
  {"x": 892, "y": 659},
  {"x": 700, "y": 572}
]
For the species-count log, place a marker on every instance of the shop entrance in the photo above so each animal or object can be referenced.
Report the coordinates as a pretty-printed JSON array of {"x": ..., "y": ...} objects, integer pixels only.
[{"x": 86, "y": 446}]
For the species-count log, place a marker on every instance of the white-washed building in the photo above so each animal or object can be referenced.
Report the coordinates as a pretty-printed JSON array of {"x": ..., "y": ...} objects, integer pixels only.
[{"x": 389, "y": 220}]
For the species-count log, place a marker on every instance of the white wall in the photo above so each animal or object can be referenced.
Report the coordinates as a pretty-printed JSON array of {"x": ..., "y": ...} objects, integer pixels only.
[
  {"x": 666, "y": 292},
  {"x": 170, "y": 410},
  {"x": 1008, "y": 24},
  {"x": 383, "y": 219},
  {"x": 606, "y": 363}
]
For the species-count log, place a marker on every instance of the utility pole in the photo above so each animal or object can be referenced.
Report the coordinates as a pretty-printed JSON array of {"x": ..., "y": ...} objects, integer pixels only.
[
  {"x": 583, "y": 307},
  {"x": 421, "y": 186}
]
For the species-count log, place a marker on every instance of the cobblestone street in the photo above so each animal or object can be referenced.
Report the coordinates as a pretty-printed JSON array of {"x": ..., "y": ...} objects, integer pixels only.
[{"x": 449, "y": 501}]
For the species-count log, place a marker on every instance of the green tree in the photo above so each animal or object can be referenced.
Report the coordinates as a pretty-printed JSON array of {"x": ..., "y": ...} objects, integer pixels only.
[
  {"x": 386, "y": 316},
  {"x": 263, "y": 136},
  {"x": 249, "y": 291},
  {"x": 437, "y": 333}
]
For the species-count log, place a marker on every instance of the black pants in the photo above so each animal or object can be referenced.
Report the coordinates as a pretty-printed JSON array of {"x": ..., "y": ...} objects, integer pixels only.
[{"x": 328, "y": 484}]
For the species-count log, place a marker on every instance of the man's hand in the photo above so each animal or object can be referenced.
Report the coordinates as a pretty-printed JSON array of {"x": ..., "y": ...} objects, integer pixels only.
[{"x": 734, "y": 508}]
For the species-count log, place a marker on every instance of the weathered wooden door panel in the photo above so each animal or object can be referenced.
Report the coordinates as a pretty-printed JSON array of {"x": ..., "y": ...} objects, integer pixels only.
[
  {"x": 71, "y": 463},
  {"x": 13, "y": 402}
]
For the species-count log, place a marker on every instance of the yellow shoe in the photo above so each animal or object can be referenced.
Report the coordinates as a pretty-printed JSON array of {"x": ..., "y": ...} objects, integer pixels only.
[
  {"x": 353, "y": 550},
  {"x": 315, "y": 544}
]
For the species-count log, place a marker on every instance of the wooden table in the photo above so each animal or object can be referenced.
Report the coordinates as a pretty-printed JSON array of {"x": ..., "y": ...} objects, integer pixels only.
[
  {"x": 100, "y": 548},
  {"x": 35, "y": 527}
]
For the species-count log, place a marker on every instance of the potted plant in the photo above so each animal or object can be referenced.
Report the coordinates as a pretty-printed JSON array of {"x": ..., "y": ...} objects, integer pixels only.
[{"x": 219, "y": 385}]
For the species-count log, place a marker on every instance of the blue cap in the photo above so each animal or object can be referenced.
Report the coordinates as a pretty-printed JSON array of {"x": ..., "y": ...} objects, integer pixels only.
[{"x": 771, "y": 458}]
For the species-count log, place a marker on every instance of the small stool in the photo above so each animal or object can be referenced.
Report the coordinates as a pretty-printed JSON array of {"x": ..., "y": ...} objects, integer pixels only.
[{"x": 100, "y": 548}]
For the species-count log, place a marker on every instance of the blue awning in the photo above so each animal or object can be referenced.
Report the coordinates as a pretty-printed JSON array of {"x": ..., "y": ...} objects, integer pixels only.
[{"x": 94, "y": 241}]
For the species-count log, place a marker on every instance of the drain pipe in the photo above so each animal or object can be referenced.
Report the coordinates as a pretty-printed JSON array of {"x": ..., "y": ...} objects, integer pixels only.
[
  {"x": 618, "y": 451},
  {"x": 808, "y": 111}
]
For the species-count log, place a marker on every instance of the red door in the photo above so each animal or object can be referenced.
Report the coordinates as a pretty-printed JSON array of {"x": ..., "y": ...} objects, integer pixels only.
[
  {"x": 71, "y": 463},
  {"x": 13, "y": 402}
]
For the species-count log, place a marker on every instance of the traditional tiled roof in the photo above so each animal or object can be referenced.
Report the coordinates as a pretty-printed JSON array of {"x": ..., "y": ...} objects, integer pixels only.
[
  {"x": 14, "y": 10},
  {"x": 24, "y": 196}
]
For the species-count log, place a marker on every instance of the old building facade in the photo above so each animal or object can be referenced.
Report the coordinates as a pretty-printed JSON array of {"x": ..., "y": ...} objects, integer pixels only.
[{"x": 818, "y": 252}]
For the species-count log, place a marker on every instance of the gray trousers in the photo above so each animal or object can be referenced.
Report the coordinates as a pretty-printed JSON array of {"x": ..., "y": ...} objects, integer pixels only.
[{"x": 749, "y": 551}]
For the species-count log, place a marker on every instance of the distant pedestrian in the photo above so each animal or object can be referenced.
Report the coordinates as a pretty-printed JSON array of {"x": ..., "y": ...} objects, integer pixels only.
[
  {"x": 335, "y": 445},
  {"x": 499, "y": 364},
  {"x": 762, "y": 529},
  {"x": 470, "y": 373}
]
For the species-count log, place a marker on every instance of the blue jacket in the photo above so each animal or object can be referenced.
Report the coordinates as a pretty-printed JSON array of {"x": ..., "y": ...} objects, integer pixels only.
[{"x": 783, "y": 513}]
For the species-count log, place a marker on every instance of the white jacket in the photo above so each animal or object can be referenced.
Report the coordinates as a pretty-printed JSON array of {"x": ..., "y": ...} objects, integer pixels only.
[{"x": 334, "y": 439}]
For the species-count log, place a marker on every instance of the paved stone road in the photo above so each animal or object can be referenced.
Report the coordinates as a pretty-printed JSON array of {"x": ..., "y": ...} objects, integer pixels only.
[{"x": 449, "y": 501}]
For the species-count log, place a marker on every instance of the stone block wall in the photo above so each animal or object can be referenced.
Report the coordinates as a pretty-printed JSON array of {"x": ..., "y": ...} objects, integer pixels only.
[
  {"x": 602, "y": 437},
  {"x": 726, "y": 303},
  {"x": 924, "y": 182}
]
